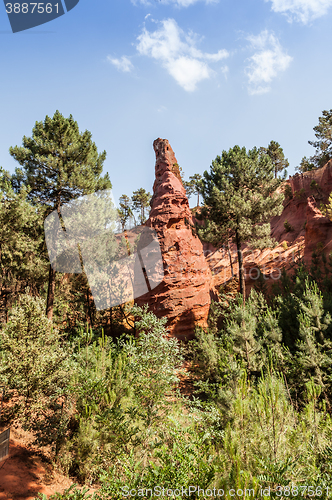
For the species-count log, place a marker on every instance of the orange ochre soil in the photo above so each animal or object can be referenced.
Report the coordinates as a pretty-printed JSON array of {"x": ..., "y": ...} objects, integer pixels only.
[{"x": 26, "y": 472}]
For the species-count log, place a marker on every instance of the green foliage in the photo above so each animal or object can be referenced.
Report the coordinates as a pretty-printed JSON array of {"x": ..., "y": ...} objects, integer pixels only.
[
  {"x": 123, "y": 392},
  {"x": 35, "y": 365},
  {"x": 314, "y": 185},
  {"x": 327, "y": 209},
  {"x": 177, "y": 170},
  {"x": 287, "y": 226},
  {"x": 239, "y": 196},
  {"x": 153, "y": 359},
  {"x": 59, "y": 162},
  {"x": 239, "y": 201},
  {"x": 125, "y": 211},
  {"x": 141, "y": 202},
  {"x": 111, "y": 411},
  {"x": 33, "y": 359},
  {"x": 323, "y": 142},
  {"x": 193, "y": 186},
  {"x": 22, "y": 253},
  {"x": 306, "y": 165},
  {"x": 288, "y": 192},
  {"x": 276, "y": 153},
  {"x": 72, "y": 493},
  {"x": 180, "y": 457},
  {"x": 254, "y": 333},
  {"x": 300, "y": 194}
]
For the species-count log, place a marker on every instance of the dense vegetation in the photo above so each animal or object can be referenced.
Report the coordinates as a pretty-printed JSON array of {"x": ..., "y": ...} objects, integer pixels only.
[
  {"x": 105, "y": 390},
  {"x": 259, "y": 416}
]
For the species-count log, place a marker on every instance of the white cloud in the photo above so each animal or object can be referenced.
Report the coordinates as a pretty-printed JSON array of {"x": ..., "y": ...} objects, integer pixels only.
[
  {"x": 123, "y": 64},
  {"x": 301, "y": 10},
  {"x": 265, "y": 65},
  {"x": 178, "y": 3},
  {"x": 177, "y": 53},
  {"x": 225, "y": 71}
]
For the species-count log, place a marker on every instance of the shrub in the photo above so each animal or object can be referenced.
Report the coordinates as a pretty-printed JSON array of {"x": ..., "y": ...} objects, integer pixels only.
[
  {"x": 123, "y": 392},
  {"x": 153, "y": 361},
  {"x": 327, "y": 209},
  {"x": 288, "y": 192},
  {"x": 33, "y": 360},
  {"x": 300, "y": 194},
  {"x": 313, "y": 185},
  {"x": 180, "y": 457},
  {"x": 288, "y": 227}
]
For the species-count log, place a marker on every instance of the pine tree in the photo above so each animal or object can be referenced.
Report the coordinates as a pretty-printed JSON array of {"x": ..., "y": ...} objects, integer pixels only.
[
  {"x": 306, "y": 165},
  {"x": 239, "y": 201},
  {"x": 125, "y": 211},
  {"x": 60, "y": 163},
  {"x": 323, "y": 144},
  {"x": 141, "y": 201},
  {"x": 276, "y": 153},
  {"x": 193, "y": 186}
]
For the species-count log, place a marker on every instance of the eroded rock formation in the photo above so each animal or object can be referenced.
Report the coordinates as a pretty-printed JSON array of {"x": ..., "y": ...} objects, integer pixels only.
[{"x": 184, "y": 294}]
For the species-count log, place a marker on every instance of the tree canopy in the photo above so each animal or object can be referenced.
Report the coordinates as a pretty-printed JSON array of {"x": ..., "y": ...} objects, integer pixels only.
[
  {"x": 193, "y": 186},
  {"x": 276, "y": 153},
  {"x": 141, "y": 202},
  {"x": 323, "y": 144},
  {"x": 59, "y": 163},
  {"x": 125, "y": 211},
  {"x": 239, "y": 201}
]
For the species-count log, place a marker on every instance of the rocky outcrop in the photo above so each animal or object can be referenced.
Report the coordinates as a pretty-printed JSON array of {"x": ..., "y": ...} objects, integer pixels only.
[
  {"x": 318, "y": 231},
  {"x": 184, "y": 294},
  {"x": 193, "y": 273}
]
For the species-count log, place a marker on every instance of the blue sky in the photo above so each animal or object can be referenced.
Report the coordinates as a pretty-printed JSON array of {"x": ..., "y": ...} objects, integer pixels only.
[{"x": 205, "y": 75}]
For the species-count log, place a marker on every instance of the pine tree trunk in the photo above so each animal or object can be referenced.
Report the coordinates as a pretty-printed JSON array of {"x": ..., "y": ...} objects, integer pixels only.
[
  {"x": 230, "y": 258},
  {"x": 50, "y": 293},
  {"x": 241, "y": 268}
]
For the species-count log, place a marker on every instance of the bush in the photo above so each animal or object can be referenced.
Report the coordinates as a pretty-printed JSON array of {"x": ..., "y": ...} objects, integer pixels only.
[
  {"x": 123, "y": 392},
  {"x": 33, "y": 360},
  {"x": 153, "y": 361},
  {"x": 288, "y": 192},
  {"x": 288, "y": 227},
  {"x": 36, "y": 365},
  {"x": 300, "y": 194},
  {"x": 180, "y": 457},
  {"x": 313, "y": 185}
]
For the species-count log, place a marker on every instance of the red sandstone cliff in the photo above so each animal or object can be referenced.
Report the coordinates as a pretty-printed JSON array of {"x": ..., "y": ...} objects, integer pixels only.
[{"x": 184, "y": 294}]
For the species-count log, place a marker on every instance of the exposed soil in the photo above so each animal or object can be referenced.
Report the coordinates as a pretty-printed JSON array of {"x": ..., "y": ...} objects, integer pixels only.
[{"x": 26, "y": 471}]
